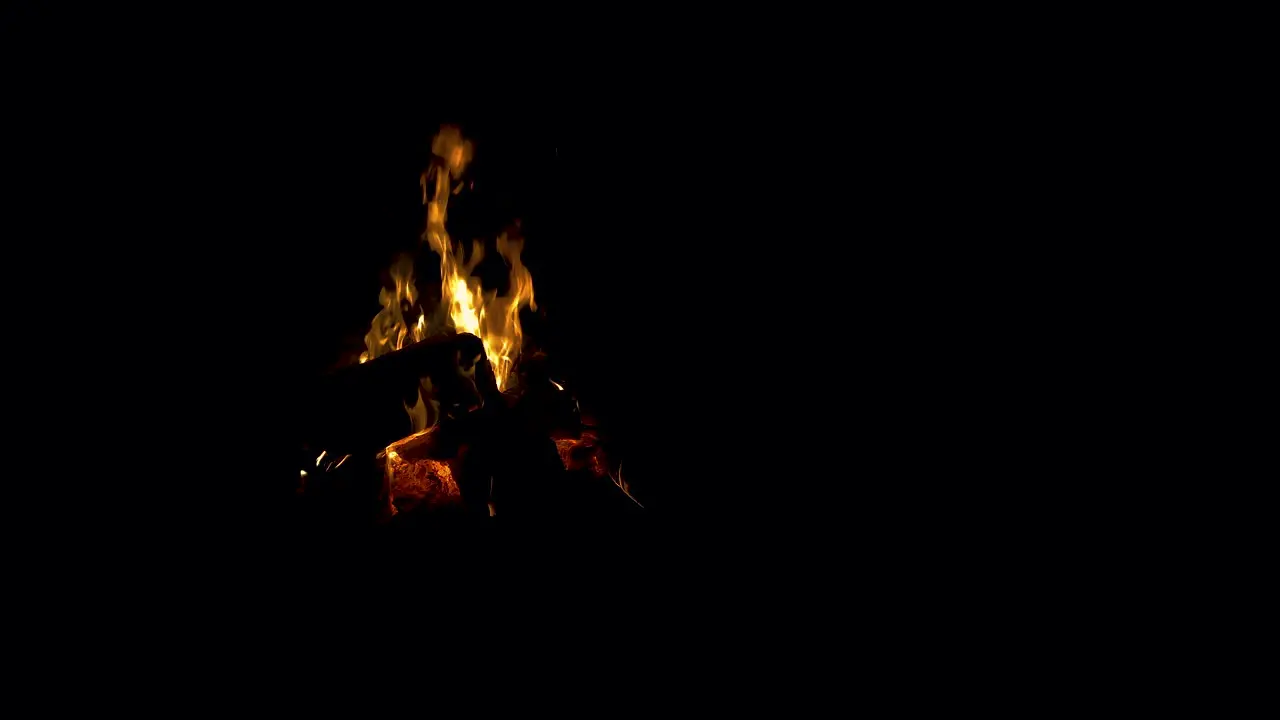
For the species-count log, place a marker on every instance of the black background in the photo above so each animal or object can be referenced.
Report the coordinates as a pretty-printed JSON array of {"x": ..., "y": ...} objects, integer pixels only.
[
  {"x": 764, "y": 284},
  {"x": 864, "y": 423}
]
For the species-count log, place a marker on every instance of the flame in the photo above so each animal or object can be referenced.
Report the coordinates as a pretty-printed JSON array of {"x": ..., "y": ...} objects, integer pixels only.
[
  {"x": 465, "y": 306},
  {"x": 389, "y": 330},
  {"x": 495, "y": 320}
]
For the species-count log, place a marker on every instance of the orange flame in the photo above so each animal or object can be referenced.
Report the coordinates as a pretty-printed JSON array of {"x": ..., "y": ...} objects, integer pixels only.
[
  {"x": 465, "y": 306},
  {"x": 495, "y": 320},
  {"x": 389, "y": 330}
]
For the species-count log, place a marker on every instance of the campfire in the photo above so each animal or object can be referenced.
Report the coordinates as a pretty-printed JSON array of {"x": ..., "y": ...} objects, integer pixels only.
[{"x": 447, "y": 413}]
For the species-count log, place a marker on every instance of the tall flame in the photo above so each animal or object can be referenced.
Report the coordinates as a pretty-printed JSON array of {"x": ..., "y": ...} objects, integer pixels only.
[
  {"x": 495, "y": 320},
  {"x": 465, "y": 304}
]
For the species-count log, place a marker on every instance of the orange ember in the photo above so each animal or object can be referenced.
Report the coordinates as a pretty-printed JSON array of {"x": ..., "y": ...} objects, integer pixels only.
[
  {"x": 421, "y": 482},
  {"x": 577, "y": 454}
]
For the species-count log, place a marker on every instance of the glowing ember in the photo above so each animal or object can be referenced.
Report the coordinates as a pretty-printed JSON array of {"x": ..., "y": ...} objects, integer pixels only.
[
  {"x": 423, "y": 481},
  {"x": 577, "y": 454}
]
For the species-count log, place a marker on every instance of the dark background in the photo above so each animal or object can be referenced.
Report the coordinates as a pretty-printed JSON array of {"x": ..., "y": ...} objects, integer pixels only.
[
  {"x": 741, "y": 291},
  {"x": 785, "y": 285},
  {"x": 218, "y": 197},
  {"x": 755, "y": 280}
]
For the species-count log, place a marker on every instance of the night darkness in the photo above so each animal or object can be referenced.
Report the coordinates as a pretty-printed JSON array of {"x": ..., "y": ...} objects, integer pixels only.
[
  {"x": 760, "y": 301},
  {"x": 814, "y": 293}
]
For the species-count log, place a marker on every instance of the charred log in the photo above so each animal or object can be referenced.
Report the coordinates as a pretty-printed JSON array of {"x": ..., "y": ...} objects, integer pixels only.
[
  {"x": 362, "y": 408},
  {"x": 487, "y": 453}
]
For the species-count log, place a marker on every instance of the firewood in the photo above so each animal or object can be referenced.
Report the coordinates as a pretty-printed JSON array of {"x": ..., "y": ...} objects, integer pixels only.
[{"x": 361, "y": 408}]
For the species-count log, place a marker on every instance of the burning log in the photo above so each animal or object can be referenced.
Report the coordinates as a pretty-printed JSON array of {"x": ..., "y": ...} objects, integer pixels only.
[
  {"x": 415, "y": 479},
  {"x": 520, "y": 454},
  {"x": 361, "y": 408}
]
